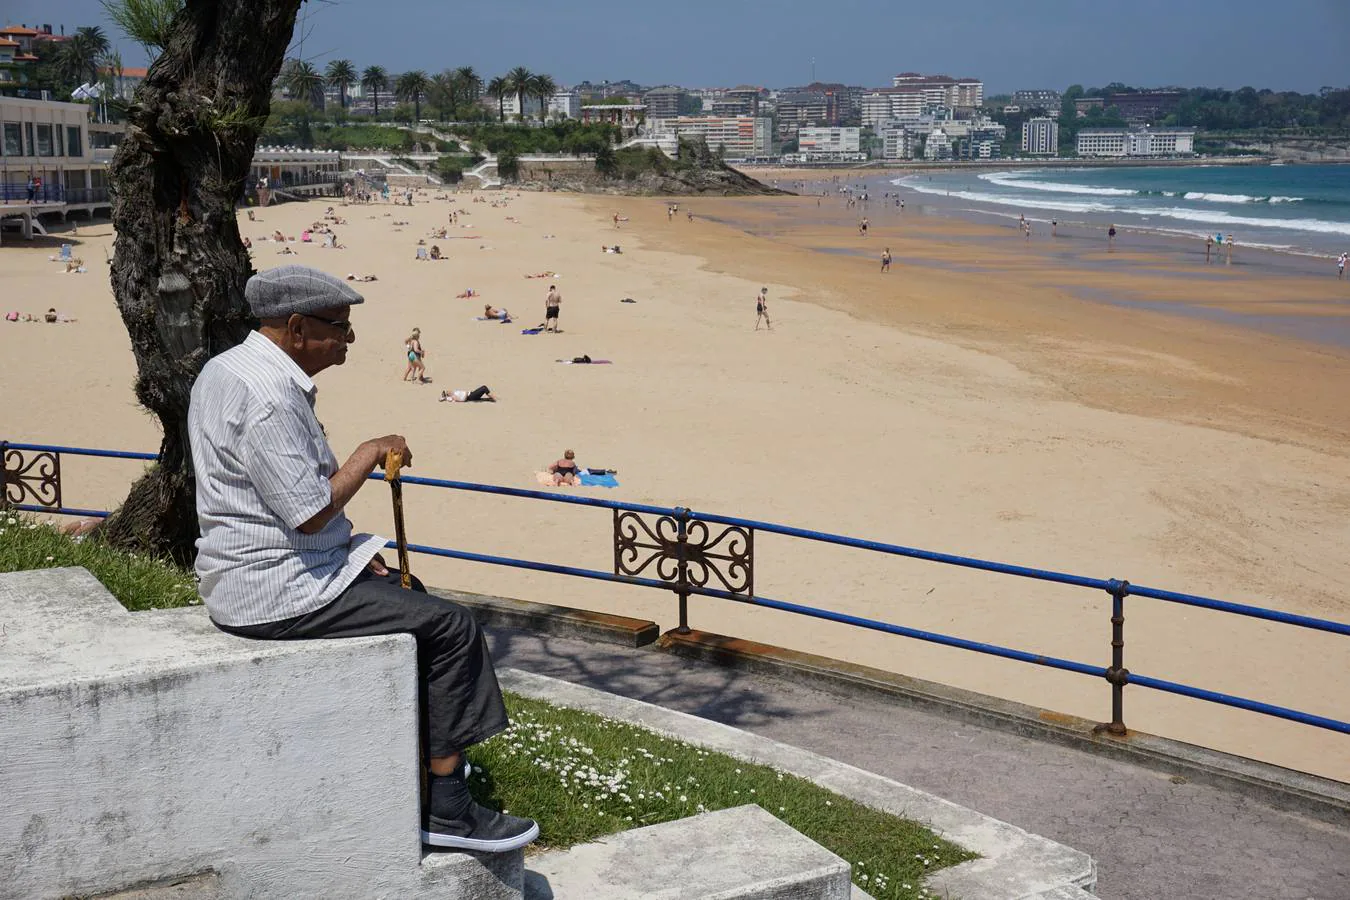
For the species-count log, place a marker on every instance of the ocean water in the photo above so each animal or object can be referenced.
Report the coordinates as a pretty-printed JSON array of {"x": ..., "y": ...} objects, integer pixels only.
[{"x": 1295, "y": 208}]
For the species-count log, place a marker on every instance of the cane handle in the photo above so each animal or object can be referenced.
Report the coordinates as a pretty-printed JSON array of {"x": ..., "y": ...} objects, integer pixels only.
[{"x": 393, "y": 461}]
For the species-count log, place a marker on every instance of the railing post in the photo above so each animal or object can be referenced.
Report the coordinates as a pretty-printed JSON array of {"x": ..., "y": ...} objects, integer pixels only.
[
  {"x": 682, "y": 566},
  {"x": 1117, "y": 674}
]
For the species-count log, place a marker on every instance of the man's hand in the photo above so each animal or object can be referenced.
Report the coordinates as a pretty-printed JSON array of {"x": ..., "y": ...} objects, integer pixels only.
[
  {"x": 382, "y": 445},
  {"x": 377, "y": 565}
]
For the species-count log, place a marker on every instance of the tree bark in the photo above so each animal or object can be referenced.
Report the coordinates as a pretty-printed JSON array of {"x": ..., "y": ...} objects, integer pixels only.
[{"x": 179, "y": 267}]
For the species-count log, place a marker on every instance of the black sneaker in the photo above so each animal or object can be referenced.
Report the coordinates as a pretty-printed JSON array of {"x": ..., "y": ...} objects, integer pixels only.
[{"x": 456, "y": 822}]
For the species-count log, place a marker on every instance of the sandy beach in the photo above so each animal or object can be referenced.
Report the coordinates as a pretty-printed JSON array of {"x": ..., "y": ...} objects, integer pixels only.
[{"x": 1128, "y": 413}]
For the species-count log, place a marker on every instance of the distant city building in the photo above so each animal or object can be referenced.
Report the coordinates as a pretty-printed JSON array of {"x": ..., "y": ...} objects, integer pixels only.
[
  {"x": 937, "y": 145},
  {"x": 1123, "y": 142},
  {"x": 510, "y": 105},
  {"x": 1011, "y": 109},
  {"x": 590, "y": 91},
  {"x": 981, "y": 142},
  {"x": 1083, "y": 104},
  {"x": 958, "y": 93},
  {"x": 807, "y": 108},
  {"x": 291, "y": 167},
  {"x": 899, "y": 142},
  {"x": 1040, "y": 136},
  {"x": 124, "y": 80},
  {"x": 742, "y": 137},
  {"x": 1037, "y": 99},
  {"x": 663, "y": 102},
  {"x": 738, "y": 101},
  {"x": 1145, "y": 107},
  {"x": 825, "y": 143},
  {"x": 564, "y": 105}
]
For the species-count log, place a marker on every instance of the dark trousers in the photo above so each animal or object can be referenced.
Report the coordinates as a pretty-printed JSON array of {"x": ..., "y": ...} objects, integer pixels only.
[
  {"x": 460, "y": 703},
  {"x": 478, "y": 393}
]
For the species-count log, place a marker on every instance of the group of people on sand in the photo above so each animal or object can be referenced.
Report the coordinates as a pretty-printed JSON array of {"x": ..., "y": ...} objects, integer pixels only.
[{"x": 51, "y": 317}]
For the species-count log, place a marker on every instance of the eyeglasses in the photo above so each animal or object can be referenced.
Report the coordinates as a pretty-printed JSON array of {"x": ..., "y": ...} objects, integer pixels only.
[{"x": 343, "y": 325}]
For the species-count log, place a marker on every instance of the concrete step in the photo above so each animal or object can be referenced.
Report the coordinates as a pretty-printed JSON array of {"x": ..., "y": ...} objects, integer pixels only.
[
  {"x": 732, "y": 854},
  {"x": 482, "y": 876}
]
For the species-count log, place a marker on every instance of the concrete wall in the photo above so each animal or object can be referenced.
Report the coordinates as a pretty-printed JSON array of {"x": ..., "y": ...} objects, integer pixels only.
[{"x": 141, "y": 746}]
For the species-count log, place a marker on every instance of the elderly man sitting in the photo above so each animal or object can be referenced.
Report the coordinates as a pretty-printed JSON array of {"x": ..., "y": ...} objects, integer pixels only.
[{"x": 277, "y": 559}]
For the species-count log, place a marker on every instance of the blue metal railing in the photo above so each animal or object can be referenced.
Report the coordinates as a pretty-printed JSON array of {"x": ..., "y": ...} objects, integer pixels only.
[{"x": 680, "y": 550}]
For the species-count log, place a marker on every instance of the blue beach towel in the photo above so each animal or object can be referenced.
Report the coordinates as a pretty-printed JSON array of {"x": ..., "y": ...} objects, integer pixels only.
[
  {"x": 531, "y": 330},
  {"x": 590, "y": 480}
]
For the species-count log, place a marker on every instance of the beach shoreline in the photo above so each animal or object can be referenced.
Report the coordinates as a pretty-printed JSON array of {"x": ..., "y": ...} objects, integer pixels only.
[{"x": 970, "y": 403}]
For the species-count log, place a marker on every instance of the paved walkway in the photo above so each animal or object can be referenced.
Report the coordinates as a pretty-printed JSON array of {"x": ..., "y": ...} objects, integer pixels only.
[{"x": 1152, "y": 838}]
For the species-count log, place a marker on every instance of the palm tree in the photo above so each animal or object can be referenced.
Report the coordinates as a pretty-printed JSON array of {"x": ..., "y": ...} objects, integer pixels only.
[
  {"x": 519, "y": 80},
  {"x": 443, "y": 93},
  {"x": 342, "y": 73},
  {"x": 81, "y": 56},
  {"x": 303, "y": 82},
  {"x": 411, "y": 86},
  {"x": 499, "y": 87},
  {"x": 375, "y": 79},
  {"x": 543, "y": 87},
  {"x": 469, "y": 83}
]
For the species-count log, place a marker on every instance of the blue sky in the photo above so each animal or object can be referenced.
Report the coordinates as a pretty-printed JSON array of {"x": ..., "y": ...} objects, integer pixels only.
[{"x": 1287, "y": 45}]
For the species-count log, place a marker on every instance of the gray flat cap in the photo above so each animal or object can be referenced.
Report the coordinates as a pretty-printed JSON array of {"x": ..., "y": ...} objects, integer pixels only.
[{"x": 287, "y": 290}]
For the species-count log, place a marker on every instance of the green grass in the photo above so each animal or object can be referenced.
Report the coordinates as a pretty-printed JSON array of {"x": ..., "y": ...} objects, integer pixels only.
[
  {"x": 137, "y": 581},
  {"x": 582, "y": 776}
]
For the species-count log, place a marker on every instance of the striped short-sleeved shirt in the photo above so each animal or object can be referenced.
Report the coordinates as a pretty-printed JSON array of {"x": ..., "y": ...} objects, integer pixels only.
[{"x": 262, "y": 465}]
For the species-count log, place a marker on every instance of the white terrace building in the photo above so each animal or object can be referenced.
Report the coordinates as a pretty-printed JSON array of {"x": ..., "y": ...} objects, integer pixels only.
[{"x": 48, "y": 142}]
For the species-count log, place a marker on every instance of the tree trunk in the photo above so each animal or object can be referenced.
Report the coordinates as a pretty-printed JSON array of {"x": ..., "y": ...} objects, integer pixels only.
[{"x": 179, "y": 268}]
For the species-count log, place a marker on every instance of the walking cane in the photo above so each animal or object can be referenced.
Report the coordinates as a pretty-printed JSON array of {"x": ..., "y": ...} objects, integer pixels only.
[{"x": 393, "y": 461}]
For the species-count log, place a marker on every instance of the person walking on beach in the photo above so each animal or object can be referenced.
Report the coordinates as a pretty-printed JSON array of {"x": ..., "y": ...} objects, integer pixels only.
[
  {"x": 862, "y": 227},
  {"x": 762, "y": 308},
  {"x": 1111, "y": 238},
  {"x": 416, "y": 370},
  {"x": 886, "y": 260},
  {"x": 1054, "y": 227},
  {"x": 1209, "y": 247},
  {"x": 1340, "y": 266},
  {"x": 1228, "y": 248},
  {"x": 278, "y": 560},
  {"x": 551, "y": 304}
]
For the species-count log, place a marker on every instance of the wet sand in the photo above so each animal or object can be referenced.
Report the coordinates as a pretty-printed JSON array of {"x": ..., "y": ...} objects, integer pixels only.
[{"x": 980, "y": 399}]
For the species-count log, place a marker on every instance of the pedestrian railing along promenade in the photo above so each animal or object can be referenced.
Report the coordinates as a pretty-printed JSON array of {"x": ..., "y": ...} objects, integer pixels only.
[{"x": 697, "y": 553}]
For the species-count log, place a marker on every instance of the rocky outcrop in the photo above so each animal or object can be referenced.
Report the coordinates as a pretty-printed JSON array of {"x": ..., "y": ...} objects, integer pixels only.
[
  {"x": 724, "y": 182},
  {"x": 1290, "y": 149}
]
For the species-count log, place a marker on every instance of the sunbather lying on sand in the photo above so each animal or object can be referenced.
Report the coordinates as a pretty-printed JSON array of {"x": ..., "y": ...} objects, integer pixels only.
[
  {"x": 354, "y": 277},
  {"x": 468, "y": 292},
  {"x": 478, "y": 394},
  {"x": 564, "y": 471},
  {"x": 549, "y": 274},
  {"x": 494, "y": 312}
]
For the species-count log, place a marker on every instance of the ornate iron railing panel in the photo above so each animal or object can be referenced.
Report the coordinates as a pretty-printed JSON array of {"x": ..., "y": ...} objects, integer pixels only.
[
  {"x": 30, "y": 477},
  {"x": 687, "y": 553}
]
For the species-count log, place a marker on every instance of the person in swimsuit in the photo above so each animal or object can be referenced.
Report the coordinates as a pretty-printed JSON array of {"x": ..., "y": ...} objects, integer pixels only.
[
  {"x": 494, "y": 312},
  {"x": 762, "y": 308},
  {"x": 416, "y": 371},
  {"x": 551, "y": 308},
  {"x": 886, "y": 260},
  {"x": 1340, "y": 266},
  {"x": 1111, "y": 237},
  {"x": 565, "y": 470}
]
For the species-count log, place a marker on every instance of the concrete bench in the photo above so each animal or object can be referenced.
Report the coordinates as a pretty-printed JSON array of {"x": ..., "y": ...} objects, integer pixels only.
[
  {"x": 142, "y": 747},
  {"x": 742, "y": 853}
]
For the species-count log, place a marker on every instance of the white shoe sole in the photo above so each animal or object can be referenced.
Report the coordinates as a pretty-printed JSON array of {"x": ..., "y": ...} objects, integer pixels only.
[{"x": 501, "y": 845}]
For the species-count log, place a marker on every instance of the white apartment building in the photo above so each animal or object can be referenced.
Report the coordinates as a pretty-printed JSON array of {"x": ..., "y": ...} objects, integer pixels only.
[
  {"x": 49, "y": 140},
  {"x": 510, "y": 105},
  {"x": 1040, "y": 136},
  {"x": 1122, "y": 142},
  {"x": 743, "y": 137},
  {"x": 899, "y": 141},
  {"x": 958, "y": 93},
  {"x": 938, "y": 145},
  {"x": 564, "y": 105},
  {"x": 820, "y": 143}
]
